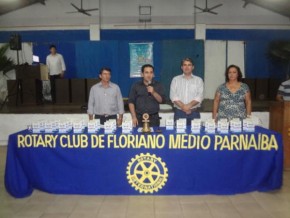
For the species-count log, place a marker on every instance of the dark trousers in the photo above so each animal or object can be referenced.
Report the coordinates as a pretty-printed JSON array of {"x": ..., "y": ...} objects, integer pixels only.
[
  {"x": 181, "y": 114},
  {"x": 52, "y": 86},
  {"x": 104, "y": 118},
  {"x": 153, "y": 118}
]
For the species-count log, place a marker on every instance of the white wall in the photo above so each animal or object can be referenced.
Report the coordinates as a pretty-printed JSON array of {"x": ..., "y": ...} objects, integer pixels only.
[
  {"x": 125, "y": 14},
  {"x": 236, "y": 54},
  {"x": 219, "y": 55},
  {"x": 215, "y": 65}
]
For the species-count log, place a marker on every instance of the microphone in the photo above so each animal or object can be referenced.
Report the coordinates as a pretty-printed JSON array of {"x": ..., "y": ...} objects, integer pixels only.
[{"x": 149, "y": 84}]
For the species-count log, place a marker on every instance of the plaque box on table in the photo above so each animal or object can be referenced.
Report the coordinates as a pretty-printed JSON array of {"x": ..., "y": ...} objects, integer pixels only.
[
  {"x": 127, "y": 127},
  {"x": 181, "y": 126},
  {"x": 248, "y": 125},
  {"x": 110, "y": 126},
  {"x": 94, "y": 126},
  {"x": 169, "y": 124},
  {"x": 223, "y": 126},
  {"x": 63, "y": 127},
  {"x": 78, "y": 127},
  {"x": 210, "y": 126},
  {"x": 48, "y": 128},
  {"x": 36, "y": 127},
  {"x": 196, "y": 126},
  {"x": 236, "y": 125},
  {"x": 55, "y": 125}
]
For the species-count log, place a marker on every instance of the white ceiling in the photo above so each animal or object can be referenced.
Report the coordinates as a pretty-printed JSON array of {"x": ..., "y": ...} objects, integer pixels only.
[{"x": 125, "y": 14}]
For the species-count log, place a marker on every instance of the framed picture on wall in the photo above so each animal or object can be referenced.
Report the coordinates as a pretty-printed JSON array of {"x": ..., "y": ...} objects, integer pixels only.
[{"x": 140, "y": 54}]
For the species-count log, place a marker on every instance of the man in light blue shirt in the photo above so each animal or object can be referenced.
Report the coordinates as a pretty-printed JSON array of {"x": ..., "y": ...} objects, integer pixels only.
[{"x": 105, "y": 100}]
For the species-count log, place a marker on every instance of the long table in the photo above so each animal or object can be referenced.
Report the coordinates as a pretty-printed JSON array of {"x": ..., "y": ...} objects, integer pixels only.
[{"x": 163, "y": 163}]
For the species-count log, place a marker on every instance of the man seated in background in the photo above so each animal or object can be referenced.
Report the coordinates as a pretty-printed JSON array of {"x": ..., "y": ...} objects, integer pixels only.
[
  {"x": 145, "y": 97},
  {"x": 284, "y": 91},
  {"x": 105, "y": 100}
]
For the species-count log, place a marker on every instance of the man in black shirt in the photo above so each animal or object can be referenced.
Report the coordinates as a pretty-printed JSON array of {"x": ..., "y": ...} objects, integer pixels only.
[{"x": 145, "y": 97}]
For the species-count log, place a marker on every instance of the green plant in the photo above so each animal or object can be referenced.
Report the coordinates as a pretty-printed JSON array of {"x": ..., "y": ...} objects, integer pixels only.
[{"x": 6, "y": 63}]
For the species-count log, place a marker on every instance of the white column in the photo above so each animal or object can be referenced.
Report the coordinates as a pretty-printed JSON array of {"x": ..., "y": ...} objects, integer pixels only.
[
  {"x": 235, "y": 54},
  {"x": 94, "y": 32},
  {"x": 200, "y": 31}
]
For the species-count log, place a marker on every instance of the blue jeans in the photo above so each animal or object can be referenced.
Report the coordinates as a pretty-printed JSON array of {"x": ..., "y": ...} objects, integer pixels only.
[{"x": 181, "y": 114}]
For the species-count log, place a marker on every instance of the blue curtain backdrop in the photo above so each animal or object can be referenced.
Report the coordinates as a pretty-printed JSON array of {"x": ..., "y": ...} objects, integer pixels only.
[
  {"x": 176, "y": 50},
  {"x": 84, "y": 58},
  {"x": 256, "y": 60},
  {"x": 91, "y": 56}
]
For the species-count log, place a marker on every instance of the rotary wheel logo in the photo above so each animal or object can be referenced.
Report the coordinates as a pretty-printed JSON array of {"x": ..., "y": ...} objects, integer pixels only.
[{"x": 147, "y": 173}]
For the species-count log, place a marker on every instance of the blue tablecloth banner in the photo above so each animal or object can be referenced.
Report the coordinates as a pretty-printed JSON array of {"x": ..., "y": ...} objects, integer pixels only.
[{"x": 160, "y": 163}]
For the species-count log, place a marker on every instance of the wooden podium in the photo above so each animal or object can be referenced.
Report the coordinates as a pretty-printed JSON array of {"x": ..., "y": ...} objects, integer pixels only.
[
  {"x": 27, "y": 88},
  {"x": 280, "y": 122}
]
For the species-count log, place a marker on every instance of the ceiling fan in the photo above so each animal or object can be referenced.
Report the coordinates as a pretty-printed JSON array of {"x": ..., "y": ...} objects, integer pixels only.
[
  {"x": 207, "y": 9},
  {"x": 82, "y": 10}
]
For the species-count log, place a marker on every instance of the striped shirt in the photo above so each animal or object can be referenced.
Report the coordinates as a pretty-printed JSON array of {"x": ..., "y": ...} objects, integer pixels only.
[
  {"x": 186, "y": 90},
  {"x": 284, "y": 90}
]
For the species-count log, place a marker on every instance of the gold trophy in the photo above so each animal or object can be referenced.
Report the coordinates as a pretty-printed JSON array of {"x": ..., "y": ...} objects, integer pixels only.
[{"x": 146, "y": 126}]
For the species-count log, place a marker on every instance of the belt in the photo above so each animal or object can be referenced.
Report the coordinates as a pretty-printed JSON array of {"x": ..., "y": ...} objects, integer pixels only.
[
  {"x": 149, "y": 114},
  {"x": 192, "y": 110},
  {"x": 105, "y": 115}
]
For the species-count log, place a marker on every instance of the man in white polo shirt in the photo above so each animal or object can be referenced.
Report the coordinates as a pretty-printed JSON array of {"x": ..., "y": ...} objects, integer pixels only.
[
  {"x": 284, "y": 91},
  {"x": 186, "y": 92},
  {"x": 56, "y": 68}
]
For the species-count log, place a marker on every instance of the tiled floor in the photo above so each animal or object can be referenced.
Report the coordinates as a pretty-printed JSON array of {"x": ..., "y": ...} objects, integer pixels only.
[{"x": 42, "y": 205}]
